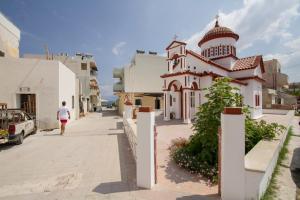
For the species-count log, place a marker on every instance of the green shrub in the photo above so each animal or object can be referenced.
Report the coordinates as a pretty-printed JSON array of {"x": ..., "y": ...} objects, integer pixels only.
[
  {"x": 200, "y": 153},
  {"x": 256, "y": 131}
]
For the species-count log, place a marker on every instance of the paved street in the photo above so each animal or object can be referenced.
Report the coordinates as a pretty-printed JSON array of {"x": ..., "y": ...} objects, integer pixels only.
[
  {"x": 91, "y": 161},
  {"x": 288, "y": 179}
]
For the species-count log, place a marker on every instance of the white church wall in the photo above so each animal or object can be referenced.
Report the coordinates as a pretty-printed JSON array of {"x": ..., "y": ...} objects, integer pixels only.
[
  {"x": 226, "y": 62},
  {"x": 176, "y": 50},
  {"x": 253, "y": 88},
  {"x": 242, "y": 73},
  {"x": 202, "y": 66},
  {"x": 205, "y": 82},
  {"x": 258, "y": 72}
]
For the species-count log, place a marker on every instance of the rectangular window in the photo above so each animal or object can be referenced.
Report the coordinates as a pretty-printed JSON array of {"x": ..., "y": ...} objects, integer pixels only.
[
  {"x": 138, "y": 102},
  {"x": 73, "y": 102},
  {"x": 2, "y": 54},
  {"x": 257, "y": 100},
  {"x": 192, "y": 99},
  {"x": 83, "y": 66},
  {"x": 170, "y": 100}
]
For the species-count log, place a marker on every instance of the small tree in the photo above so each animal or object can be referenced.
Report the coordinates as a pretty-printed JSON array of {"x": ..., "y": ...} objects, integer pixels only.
[
  {"x": 200, "y": 153},
  {"x": 204, "y": 142}
]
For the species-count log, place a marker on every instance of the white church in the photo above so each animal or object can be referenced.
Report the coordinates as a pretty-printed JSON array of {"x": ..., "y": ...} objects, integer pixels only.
[{"x": 189, "y": 72}]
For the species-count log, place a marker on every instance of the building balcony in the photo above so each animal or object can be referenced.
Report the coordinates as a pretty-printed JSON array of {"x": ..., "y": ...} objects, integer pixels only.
[
  {"x": 95, "y": 91},
  {"x": 118, "y": 73},
  {"x": 93, "y": 73},
  {"x": 118, "y": 87}
]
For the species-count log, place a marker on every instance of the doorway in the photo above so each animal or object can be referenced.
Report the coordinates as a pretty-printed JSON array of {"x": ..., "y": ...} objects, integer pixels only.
[
  {"x": 28, "y": 103},
  {"x": 157, "y": 103}
]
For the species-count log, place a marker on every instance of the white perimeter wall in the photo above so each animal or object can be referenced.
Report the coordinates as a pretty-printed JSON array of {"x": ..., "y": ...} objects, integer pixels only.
[
  {"x": 261, "y": 160},
  {"x": 67, "y": 88}
]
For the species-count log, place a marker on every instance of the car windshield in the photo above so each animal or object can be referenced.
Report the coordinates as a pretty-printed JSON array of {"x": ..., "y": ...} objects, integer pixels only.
[{"x": 12, "y": 116}]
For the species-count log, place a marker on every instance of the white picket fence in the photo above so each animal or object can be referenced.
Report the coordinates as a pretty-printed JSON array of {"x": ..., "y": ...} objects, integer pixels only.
[{"x": 131, "y": 133}]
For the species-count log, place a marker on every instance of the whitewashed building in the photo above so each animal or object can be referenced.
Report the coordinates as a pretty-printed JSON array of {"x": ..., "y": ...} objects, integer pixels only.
[
  {"x": 34, "y": 85},
  {"x": 46, "y": 83},
  {"x": 140, "y": 82},
  {"x": 190, "y": 72},
  {"x": 9, "y": 38},
  {"x": 86, "y": 70}
]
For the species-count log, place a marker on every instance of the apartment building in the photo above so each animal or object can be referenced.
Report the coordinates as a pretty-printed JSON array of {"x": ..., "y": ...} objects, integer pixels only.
[
  {"x": 86, "y": 70},
  {"x": 275, "y": 86},
  {"x": 9, "y": 38},
  {"x": 140, "y": 82},
  {"x": 34, "y": 85}
]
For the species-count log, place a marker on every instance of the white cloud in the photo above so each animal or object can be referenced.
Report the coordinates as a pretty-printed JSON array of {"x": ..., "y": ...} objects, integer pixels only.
[
  {"x": 256, "y": 20},
  {"x": 290, "y": 59},
  {"x": 117, "y": 49},
  {"x": 293, "y": 44}
]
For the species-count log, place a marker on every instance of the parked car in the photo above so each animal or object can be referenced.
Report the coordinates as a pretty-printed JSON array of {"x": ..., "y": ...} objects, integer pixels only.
[{"x": 20, "y": 124}]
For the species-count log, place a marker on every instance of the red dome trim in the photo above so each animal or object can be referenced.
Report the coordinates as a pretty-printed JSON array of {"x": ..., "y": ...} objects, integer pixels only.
[{"x": 218, "y": 32}]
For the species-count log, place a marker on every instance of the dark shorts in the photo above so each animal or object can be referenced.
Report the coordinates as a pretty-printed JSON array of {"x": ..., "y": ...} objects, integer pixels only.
[{"x": 63, "y": 121}]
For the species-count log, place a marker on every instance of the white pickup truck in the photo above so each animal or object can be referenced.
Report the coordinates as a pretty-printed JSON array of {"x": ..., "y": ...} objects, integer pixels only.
[{"x": 20, "y": 124}]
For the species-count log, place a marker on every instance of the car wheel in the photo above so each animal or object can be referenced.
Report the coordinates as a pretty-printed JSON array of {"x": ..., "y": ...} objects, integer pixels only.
[
  {"x": 34, "y": 131},
  {"x": 20, "y": 138}
]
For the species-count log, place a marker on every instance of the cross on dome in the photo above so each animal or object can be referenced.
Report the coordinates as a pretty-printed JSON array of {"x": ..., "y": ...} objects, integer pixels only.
[{"x": 217, "y": 21}]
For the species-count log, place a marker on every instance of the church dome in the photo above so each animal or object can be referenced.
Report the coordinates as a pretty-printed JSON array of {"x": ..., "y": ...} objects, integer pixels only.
[{"x": 218, "y": 32}]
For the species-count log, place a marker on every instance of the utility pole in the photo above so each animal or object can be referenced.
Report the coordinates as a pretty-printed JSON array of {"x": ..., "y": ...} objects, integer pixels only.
[{"x": 46, "y": 51}]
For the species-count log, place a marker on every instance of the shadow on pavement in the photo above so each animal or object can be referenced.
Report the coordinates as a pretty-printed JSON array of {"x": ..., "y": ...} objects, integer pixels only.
[
  {"x": 200, "y": 197},
  {"x": 128, "y": 169},
  {"x": 119, "y": 126},
  {"x": 6, "y": 146},
  {"x": 179, "y": 175},
  {"x": 295, "y": 167}
]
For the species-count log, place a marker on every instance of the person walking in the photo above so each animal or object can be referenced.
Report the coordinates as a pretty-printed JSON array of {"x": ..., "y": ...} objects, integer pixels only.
[{"x": 63, "y": 114}]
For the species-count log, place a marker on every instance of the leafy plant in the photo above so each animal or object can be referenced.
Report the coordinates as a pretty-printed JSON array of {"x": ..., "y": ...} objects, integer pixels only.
[{"x": 200, "y": 153}]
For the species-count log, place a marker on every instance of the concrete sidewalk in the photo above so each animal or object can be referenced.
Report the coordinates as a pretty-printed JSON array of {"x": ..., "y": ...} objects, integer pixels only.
[
  {"x": 91, "y": 161},
  {"x": 288, "y": 179}
]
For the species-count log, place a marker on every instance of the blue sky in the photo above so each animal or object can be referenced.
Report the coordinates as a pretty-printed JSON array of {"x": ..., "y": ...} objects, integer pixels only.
[{"x": 112, "y": 30}]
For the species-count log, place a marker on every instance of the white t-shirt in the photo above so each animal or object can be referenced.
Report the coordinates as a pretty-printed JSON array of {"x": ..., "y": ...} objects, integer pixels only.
[{"x": 63, "y": 113}]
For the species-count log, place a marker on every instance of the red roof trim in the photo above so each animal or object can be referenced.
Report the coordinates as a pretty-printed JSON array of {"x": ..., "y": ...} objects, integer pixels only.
[
  {"x": 215, "y": 36},
  {"x": 214, "y": 75},
  {"x": 252, "y": 77},
  {"x": 204, "y": 59},
  {"x": 230, "y": 55},
  {"x": 176, "y": 56},
  {"x": 175, "y": 41}
]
